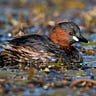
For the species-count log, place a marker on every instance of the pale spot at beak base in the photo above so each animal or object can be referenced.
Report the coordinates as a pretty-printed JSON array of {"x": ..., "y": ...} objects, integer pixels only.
[{"x": 75, "y": 38}]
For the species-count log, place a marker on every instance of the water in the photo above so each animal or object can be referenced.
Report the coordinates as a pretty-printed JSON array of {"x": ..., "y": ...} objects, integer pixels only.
[{"x": 36, "y": 17}]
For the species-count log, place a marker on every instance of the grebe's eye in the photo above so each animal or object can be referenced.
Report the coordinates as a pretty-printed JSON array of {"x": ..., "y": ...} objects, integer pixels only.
[{"x": 70, "y": 33}]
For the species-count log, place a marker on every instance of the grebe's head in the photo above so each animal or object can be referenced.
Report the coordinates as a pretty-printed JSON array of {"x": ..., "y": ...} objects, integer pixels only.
[{"x": 65, "y": 34}]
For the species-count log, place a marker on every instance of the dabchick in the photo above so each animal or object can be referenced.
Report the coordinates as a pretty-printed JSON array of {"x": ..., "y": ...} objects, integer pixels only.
[{"x": 35, "y": 49}]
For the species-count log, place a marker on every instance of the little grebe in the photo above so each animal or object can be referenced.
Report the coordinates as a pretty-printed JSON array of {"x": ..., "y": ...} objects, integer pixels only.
[{"x": 35, "y": 49}]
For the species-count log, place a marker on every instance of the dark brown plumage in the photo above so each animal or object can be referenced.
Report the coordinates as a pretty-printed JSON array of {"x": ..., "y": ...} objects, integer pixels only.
[{"x": 35, "y": 49}]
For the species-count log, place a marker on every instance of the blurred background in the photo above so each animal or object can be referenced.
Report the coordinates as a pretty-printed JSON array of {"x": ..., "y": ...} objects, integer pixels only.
[
  {"x": 20, "y": 17},
  {"x": 38, "y": 16}
]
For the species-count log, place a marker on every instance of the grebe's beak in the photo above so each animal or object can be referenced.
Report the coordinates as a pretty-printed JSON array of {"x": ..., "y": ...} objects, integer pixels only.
[{"x": 80, "y": 39}]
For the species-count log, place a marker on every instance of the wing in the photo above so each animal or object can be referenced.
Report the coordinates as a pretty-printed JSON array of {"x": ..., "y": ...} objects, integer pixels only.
[{"x": 23, "y": 40}]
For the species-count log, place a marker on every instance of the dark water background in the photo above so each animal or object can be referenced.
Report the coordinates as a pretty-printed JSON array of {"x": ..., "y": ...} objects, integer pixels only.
[{"x": 38, "y": 16}]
